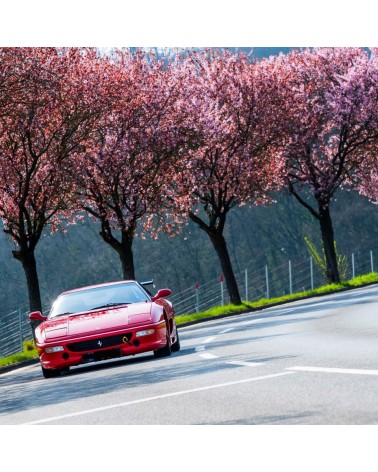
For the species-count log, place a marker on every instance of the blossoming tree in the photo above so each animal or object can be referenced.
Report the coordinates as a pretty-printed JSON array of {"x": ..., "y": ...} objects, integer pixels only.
[
  {"x": 366, "y": 180},
  {"x": 47, "y": 113},
  {"x": 235, "y": 103},
  {"x": 331, "y": 124},
  {"x": 125, "y": 179}
]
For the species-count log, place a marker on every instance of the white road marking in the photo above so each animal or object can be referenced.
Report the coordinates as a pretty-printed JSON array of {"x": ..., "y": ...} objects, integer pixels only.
[
  {"x": 253, "y": 321},
  {"x": 200, "y": 348},
  {"x": 207, "y": 355},
  {"x": 158, "y": 397},
  {"x": 333, "y": 370},
  {"x": 247, "y": 364},
  {"x": 208, "y": 340},
  {"x": 226, "y": 330}
]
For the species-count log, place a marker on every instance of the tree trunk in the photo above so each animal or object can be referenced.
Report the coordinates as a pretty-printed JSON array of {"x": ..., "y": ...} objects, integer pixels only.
[
  {"x": 328, "y": 239},
  {"x": 324, "y": 216},
  {"x": 27, "y": 258},
  {"x": 219, "y": 244},
  {"x": 127, "y": 257},
  {"x": 123, "y": 248}
]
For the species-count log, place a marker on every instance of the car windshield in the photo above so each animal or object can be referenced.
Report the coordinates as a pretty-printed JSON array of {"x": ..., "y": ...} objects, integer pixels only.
[{"x": 98, "y": 297}]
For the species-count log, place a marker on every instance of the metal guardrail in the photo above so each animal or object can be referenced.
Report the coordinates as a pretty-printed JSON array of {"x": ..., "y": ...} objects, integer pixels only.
[{"x": 254, "y": 284}]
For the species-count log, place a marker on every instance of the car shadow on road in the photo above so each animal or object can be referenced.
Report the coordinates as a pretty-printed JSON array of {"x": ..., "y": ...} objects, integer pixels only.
[{"x": 32, "y": 391}]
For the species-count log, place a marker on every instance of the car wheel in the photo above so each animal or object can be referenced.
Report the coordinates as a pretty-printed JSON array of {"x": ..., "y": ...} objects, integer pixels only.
[
  {"x": 176, "y": 345},
  {"x": 49, "y": 373},
  {"x": 164, "y": 351}
]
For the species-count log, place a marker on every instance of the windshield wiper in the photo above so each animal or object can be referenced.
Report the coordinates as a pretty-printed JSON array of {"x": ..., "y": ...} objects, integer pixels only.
[
  {"x": 62, "y": 314},
  {"x": 108, "y": 305}
]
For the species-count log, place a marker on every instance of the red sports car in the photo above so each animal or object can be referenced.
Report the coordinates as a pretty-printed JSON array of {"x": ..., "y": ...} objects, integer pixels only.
[{"x": 102, "y": 322}]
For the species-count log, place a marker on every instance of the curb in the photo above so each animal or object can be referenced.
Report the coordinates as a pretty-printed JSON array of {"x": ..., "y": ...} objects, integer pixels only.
[{"x": 17, "y": 365}]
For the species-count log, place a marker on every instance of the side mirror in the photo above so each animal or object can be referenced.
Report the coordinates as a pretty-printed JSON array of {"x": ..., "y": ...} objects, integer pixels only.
[
  {"x": 164, "y": 292},
  {"x": 37, "y": 316}
]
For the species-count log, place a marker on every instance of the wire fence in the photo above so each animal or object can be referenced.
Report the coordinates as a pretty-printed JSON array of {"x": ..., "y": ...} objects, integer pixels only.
[
  {"x": 253, "y": 283},
  {"x": 268, "y": 282},
  {"x": 14, "y": 330}
]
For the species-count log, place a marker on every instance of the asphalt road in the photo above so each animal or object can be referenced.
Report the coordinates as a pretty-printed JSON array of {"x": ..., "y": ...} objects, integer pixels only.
[{"x": 313, "y": 362}]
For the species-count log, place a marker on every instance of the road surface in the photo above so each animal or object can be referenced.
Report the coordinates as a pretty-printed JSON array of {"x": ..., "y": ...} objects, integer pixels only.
[{"x": 312, "y": 362}]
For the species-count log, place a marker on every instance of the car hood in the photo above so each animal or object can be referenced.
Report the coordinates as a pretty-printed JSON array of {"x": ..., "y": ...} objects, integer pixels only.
[{"x": 96, "y": 321}]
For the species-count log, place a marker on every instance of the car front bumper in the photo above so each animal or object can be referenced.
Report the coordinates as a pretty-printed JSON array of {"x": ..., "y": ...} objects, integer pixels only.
[{"x": 96, "y": 347}]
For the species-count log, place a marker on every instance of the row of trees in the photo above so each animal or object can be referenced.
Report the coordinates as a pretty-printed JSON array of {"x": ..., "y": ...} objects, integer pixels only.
[{"x": 142, "y": 143}]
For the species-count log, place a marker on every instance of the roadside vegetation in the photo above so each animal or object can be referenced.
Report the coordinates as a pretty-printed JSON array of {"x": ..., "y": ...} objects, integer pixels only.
[
  {"x": 30, "y": 351},
  {"x": 263, "y": 302}
]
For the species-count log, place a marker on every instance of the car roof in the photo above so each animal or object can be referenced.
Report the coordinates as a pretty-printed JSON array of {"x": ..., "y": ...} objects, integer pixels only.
[{"x": 107, "y": 284}]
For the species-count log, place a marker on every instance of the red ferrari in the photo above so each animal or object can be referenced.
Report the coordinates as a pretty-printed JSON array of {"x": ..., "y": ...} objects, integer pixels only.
[{"x": 103, "y": 322}]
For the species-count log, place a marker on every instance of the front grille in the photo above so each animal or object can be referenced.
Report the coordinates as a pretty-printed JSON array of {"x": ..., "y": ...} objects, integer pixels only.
[
  {"x": 100, "y": 343},
  {"x": 101, "y": 355}
]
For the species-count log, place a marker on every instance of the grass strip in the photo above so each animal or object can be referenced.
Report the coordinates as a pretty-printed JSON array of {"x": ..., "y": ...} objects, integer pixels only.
[
  {"x": 359, "y": 281},
  {"x": 19, "y": 357}
]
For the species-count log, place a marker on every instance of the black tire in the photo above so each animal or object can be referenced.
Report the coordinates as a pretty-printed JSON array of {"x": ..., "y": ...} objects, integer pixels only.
[
  {"x": 164, "y": 351},
  {"x": 176, "y": 345},
  {"x": 50, "y": 373}
]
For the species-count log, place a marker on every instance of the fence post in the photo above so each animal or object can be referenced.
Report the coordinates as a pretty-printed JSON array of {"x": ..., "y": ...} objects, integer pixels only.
[
  {"x": 246, "y": 285},
  {"x": 20, "y": 321},
  {"x": 197, "y": 298},
  {"x": 267, "y": 282},
  {"x": 353, "y": 272},
  {"x": 222, "y": 292},
  {"x": 312, "y": 274},
  {"x": 290, "y": 279},
  {"x": 371, "y": 261}
]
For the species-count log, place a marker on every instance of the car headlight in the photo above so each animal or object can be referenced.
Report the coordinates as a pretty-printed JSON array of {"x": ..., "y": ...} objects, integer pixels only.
[
  {"x": 49, "y": 350},
  {"x": 145, "y": 332}
]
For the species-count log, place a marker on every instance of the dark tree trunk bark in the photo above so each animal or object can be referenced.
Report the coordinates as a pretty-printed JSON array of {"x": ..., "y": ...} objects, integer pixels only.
[
  {"x": 326, "y": 227},
  {"x": 328, "y": 238},
  {"x": 124, "y": 248},
  {"x": 127, "y": 257},
  {"x": 27, "y": 258},
  {"x": 220, "y": 246}
]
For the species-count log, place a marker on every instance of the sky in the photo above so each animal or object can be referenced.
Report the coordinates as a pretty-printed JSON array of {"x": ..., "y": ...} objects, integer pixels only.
[{"x": 194, "y": 23}]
